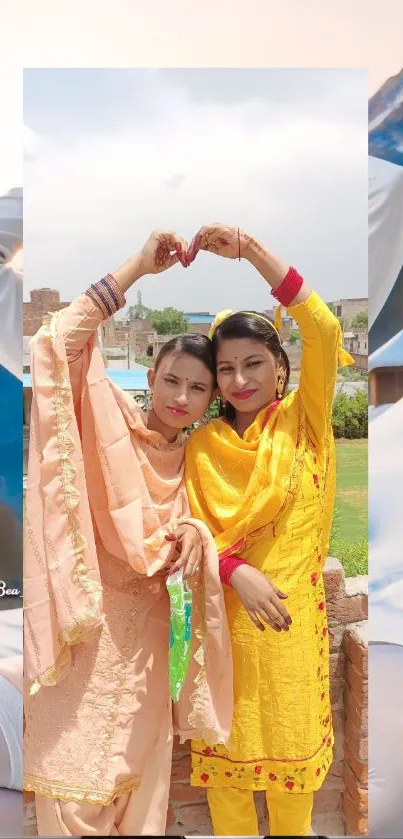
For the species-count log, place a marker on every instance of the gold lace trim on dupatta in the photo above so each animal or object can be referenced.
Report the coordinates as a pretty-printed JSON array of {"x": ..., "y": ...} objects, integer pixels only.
[{"x": 79, "y": 630}]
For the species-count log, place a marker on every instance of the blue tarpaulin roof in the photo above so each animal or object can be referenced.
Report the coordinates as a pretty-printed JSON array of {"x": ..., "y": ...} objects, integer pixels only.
[
  {"x": 194, "y": 318},
  {"x": 126, "y": 379}
]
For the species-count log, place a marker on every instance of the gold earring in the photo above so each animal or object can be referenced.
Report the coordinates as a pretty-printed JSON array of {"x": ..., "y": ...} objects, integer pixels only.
[{"x": 280, "y": 386}]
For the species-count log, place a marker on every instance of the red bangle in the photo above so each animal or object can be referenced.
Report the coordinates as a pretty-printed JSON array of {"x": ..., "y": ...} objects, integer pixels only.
[
  {"x": 287, "y": 291},
  {"x": 227, "y": 567}
]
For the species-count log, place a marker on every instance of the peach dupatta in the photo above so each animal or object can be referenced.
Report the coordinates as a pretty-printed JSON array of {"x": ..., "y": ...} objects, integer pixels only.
[{"x": 95, "y": 471}]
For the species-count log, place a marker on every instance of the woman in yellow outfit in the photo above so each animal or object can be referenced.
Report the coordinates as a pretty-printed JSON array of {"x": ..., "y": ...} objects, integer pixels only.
[{"x": 262, "y": 478}]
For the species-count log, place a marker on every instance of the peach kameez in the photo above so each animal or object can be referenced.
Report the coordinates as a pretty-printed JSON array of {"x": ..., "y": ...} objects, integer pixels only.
[{"x": 102, "y": 493}]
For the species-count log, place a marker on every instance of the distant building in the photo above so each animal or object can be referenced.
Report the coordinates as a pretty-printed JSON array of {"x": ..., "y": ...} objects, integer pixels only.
[
  {"x": 119, "y": 358},
  {"x": 137, "y": 335},
  {"x": 347, "y": 308},
  {"x": 42, "y": 301},
  {"x": 355, "y": 341},
  {"x": 355, "y": 338},
  {"x": 199, "y": 321}
]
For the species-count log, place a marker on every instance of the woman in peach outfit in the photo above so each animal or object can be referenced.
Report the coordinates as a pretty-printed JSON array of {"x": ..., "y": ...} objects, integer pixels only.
[{"x": 105, "y": 494}]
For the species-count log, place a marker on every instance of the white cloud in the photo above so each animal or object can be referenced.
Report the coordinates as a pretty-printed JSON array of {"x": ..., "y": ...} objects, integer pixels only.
[{"x": 284, "y": 173}]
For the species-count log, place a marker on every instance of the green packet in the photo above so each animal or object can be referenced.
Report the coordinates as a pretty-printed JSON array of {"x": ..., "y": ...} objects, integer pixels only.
[{"x": 180, "y": 632}]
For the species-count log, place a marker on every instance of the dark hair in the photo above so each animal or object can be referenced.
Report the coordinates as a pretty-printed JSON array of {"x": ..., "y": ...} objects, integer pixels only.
[
  {"x": 250, "y": 325},
  {"x": 194, "y": 344}
]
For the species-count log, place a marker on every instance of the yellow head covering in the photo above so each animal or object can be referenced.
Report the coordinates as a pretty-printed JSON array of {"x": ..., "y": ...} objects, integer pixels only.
[
  {"x": 226, "y": 313},
  {"x": 344, "y": 357}
]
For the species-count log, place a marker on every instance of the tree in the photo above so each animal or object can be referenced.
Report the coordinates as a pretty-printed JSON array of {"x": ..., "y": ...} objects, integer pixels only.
[
  {"x": 169, "y": 321},
  {"x": 360, "y": 321},
  {"x": 294, "y": 336},
  {"x": 138, "y": 311}
]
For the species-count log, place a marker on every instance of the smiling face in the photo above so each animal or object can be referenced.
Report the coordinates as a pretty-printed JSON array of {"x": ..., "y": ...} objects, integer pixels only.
[
  {"x": 247, "y": 374},
  {"x": 182, "y": 390}
]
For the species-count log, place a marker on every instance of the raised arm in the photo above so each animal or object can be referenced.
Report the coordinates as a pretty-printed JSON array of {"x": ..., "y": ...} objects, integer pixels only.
[
  {"x": 84, "y": 315},
  {"x": 320, "y": 330},
  {"x": 320, "y": 337},
  {"x": 321, "y": 344},
  {"x": 80, "y": 320}
]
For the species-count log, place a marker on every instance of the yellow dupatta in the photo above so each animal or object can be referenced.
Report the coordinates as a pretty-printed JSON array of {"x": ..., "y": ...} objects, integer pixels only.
[
  {"x": 242, "y": 486},
  {"x": 238, "y": 486}
]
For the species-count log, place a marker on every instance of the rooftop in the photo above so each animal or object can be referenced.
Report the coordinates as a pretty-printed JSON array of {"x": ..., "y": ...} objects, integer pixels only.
[{"x": 194, "y": 317}]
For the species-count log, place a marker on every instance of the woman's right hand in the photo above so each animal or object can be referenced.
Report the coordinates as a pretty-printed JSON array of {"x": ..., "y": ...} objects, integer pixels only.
[
  {"x": 162, "y": 250},
  {"x": 261, "y": 598}
]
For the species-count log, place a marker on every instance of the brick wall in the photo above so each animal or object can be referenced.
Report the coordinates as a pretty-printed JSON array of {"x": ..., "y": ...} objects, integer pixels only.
[
  {"x": 42, "y": 301},
  {"x": 115, "y": 334},
  {"x": 341, "y": 804},
  {"x": 355, "y": 796},
  {"x": 201, "y": 328}
]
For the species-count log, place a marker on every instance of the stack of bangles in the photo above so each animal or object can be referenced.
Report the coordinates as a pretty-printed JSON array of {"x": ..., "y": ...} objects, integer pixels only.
[{"x": 288, "y": 289}]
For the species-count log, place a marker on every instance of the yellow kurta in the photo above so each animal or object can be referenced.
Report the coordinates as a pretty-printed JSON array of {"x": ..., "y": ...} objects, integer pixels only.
[{"x": 269, "y": 498}]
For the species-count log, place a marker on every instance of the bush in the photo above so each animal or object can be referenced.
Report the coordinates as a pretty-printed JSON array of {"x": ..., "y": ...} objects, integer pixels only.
[
  {"x": 353, "y": 375},
  {"x": 350, "y": 415},
  {"x": 295, "y": 337},
  {"x": 145, "y": 360}
]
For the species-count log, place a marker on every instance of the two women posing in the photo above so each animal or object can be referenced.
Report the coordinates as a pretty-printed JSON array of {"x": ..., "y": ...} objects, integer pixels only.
[{"x": 116, "y": 498}]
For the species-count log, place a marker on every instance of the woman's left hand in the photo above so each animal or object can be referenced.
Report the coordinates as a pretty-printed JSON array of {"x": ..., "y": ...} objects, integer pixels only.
[
  {"x": 189, "y": 548},
  {"x": 220, "y": 239}
]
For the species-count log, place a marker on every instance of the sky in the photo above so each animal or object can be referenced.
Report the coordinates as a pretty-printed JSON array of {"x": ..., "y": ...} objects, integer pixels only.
[
  {"x": 113, "y": 154},
  {"x": 152, "y": 33}
]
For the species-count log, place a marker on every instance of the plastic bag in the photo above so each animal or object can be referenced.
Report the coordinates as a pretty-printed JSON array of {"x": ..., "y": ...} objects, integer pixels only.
[{"x": 180, "y": 632}]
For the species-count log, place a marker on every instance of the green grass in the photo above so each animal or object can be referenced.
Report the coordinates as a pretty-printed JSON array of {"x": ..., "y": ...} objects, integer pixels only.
[{"x": 349, "y": 539}]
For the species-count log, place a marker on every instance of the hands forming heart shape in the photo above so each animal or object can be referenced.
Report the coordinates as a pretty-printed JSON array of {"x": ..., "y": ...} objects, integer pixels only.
[{"x": 164, "y": 249}]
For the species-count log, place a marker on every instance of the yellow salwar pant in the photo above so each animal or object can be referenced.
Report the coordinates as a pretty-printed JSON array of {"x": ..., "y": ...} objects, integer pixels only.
[{"x": 233, "y": 812}]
